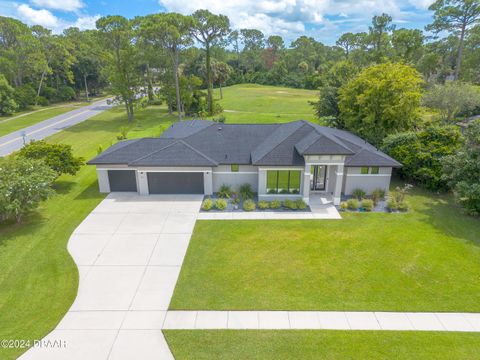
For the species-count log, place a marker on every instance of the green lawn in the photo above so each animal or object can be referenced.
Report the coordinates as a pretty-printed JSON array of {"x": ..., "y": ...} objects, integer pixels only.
[
  {"x": 38, "y": 278},
  {"x": 315, "y": 344},
  {"x": 266, "y": 104},
  {"x": 425, "y": 260},
  {"x": 10, "y": 125}
]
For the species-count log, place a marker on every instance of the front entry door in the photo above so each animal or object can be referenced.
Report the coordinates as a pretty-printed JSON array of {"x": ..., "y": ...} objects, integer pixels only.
[{"x": 319, "y": 179}]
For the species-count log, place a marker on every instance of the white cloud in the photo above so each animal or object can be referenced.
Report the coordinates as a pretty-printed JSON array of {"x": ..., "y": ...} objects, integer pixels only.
[
  {"x": 421, "y": 4},
  {"x": 37, "y": 17},
  {"x": 63, "y": 5},
  {"x": 86, "y": 22},
  {"x": 47, "y": 19},
  {"x": 287, "y": 16}
]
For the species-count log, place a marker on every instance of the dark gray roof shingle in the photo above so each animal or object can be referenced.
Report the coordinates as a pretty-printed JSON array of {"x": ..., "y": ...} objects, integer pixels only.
[{"x": 205, "y": 143}]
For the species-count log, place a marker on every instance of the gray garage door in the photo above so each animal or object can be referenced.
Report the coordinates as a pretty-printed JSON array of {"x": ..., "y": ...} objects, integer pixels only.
[
  {"x": 122, "y": 180},
  {"x": 175, "y": 183}
]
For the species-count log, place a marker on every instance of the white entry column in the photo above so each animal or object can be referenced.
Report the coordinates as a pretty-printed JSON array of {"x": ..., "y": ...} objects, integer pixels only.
[
  {"x": 142, "y": 183},
  {"x": 338, "y": 185}
]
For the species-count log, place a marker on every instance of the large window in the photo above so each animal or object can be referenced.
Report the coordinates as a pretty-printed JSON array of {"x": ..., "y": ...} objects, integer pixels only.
[{"x": 283, "y": 181}]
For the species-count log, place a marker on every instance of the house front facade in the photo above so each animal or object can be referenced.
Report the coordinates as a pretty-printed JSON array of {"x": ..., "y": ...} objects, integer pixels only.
[{"x": 279, "y": 161}]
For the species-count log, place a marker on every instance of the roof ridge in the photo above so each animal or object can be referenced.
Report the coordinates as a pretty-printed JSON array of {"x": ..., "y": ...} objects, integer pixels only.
[
  {"x": 279, "y": 143},
  {"x": 106, "y": 152},
  {"x": 198, "y": 151},
  {"x": 153, "y": 152}
]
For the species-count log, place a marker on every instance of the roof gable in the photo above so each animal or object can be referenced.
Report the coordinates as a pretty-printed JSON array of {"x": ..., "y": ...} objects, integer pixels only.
[{"x": 178, "y": 153}]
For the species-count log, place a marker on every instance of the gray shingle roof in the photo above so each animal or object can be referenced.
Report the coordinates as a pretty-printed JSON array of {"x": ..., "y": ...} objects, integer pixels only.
[{"x": 205, "y": 143}]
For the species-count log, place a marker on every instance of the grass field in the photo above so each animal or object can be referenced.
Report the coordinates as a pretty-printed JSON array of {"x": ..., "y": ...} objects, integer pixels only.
[
  {"x": 425, "y": 260},
  {"x": 266, "y": 104},
  {"x": 315, "y": 344},
  {"x": 38, "y": 279}
]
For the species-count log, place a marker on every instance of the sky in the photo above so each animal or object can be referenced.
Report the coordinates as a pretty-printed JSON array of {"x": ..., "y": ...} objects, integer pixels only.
[{"x": 325, "y": 20}]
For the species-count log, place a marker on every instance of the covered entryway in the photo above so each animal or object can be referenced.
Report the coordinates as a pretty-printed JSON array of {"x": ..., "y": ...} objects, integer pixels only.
[
  {"x": 175, "y": 182},
  {"x": 122, "y": 180}
]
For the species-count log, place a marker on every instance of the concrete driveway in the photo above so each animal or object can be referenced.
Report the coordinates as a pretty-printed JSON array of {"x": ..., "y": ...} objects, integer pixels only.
[
  {"x": 14, "y": 141},
  {"x": 129, "y": 251}
]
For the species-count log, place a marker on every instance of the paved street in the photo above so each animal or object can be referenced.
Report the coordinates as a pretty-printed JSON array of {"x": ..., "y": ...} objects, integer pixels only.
[{"x": 41, "y": 130}]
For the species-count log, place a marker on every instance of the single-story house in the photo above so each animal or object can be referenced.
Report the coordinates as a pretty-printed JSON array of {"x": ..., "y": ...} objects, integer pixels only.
[{"x": 288, "y": 160}]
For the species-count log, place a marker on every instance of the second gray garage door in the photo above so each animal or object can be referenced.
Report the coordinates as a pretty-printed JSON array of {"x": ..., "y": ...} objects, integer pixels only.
[{"x": 175, "y": 183}]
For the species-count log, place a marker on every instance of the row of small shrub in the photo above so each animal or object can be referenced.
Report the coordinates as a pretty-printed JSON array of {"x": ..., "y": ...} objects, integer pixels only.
[
  {"x": 283, "y": 191},
  {"x": 297, "y": 204},
  {"x": 353, "y": 204},
  {"x": 209, "y": 204}
]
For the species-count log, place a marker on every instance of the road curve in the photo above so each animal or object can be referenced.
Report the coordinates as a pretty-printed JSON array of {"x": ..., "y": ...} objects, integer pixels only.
[{"x": 14, "y": 141}]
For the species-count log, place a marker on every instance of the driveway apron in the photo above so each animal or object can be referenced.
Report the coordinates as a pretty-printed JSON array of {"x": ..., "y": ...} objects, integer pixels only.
[{"x": 129, "y": 251}]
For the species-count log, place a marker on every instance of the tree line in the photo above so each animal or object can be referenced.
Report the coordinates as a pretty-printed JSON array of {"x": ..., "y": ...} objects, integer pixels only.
[{"x": 173, "y": 58}]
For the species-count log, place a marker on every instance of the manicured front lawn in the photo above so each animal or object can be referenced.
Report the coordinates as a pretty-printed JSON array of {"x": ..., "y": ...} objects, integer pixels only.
[
  {"x": 425, "y": 260},
  {"x": 303, "y": 345}
]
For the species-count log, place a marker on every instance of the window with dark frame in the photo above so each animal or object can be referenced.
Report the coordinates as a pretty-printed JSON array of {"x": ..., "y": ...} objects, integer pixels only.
[
  {"x": 234, "y": 167},
  {"x": 375, "y": 170},
  {"x": 364, "y": 170},
  {"x": 283, "y": 181}
]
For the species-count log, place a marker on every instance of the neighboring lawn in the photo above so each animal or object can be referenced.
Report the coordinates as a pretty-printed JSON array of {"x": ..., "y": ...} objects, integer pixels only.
[
  {"x": 10, "y": 125},
  {"x": 425, "y": 260},
  {"x": 317, "y": 344},
  {"x": 30, "y": 117},
  {"x": 38, "y": 278},
  {"x": 256, "y": 103}
]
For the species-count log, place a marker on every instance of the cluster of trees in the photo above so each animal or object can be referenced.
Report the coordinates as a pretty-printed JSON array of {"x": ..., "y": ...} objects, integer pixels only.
[
  {"x": 26, "y": 177},
  {"x": 172, "y": 57}
]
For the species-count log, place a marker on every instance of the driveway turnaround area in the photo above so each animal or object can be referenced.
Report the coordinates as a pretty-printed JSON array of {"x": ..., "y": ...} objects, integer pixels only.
[
  {"x": 14, "y": 141},
  {"x": 129, "y": 251}
]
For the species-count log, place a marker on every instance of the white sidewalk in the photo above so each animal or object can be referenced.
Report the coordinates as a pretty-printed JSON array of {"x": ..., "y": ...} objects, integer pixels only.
[{"x": 316, "y": 320}]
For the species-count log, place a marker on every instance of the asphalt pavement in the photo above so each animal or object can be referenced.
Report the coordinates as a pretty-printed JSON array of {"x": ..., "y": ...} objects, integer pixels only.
[{"x": 15, "y": 140}]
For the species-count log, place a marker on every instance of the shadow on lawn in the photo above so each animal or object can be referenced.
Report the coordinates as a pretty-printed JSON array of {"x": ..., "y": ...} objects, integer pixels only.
[
  {"x": 441, "y": 212},
  {"x": 91, "y": 192}
]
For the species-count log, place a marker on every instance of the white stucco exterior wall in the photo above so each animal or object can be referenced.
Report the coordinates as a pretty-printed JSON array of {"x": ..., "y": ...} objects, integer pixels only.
[
  {"x": 367, "y": 182},
  {"x": 222, "y": 174},
  {"x": 103, "y": 182}
]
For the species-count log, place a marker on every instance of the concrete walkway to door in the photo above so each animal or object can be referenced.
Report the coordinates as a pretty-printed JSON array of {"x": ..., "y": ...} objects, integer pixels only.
[{"x": 129, "y": 251}]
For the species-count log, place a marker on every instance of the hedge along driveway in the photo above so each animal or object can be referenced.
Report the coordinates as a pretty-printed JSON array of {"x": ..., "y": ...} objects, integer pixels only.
[{"x": 425, "y": 260}]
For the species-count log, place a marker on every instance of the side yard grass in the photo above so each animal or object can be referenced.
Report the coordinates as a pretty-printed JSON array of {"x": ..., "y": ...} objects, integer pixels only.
[
  {"x": 424, "y": 260},
  {"x": 317, "y": 344},
  {"x": 38, "y": 278}
]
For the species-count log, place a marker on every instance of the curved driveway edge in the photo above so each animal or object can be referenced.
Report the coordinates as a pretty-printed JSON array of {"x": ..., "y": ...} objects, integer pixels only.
[{"x": 129, "y": 252}]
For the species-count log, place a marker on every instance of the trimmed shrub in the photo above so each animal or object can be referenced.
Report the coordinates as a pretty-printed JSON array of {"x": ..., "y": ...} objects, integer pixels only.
[
  {"x": 235, "y": 198},
  {"x": 290, "y": 204},
  {"x": 377, "y": 195},
  {"x": 249, "y": 205},
  {"x": 207, "y": 204},
  {"x": 367, "y": 204},
  {"x": 301, "y": 205},
  {"x": 392, "y": 204},
  {"x": 358, "y": 193},
  {"x": 403, "y": 206},
  {"x": 246, "y": 191},
  {"x": 275, "y": 204},
  {"x": 221, "y": 204},
  {"x": 272, "y": 191},
  {"x": 224, "y": 192},
  {"x": 263, "y": 205},
  {"x": 353, "y": 204},
  {"x": 343, "y": 206}
]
